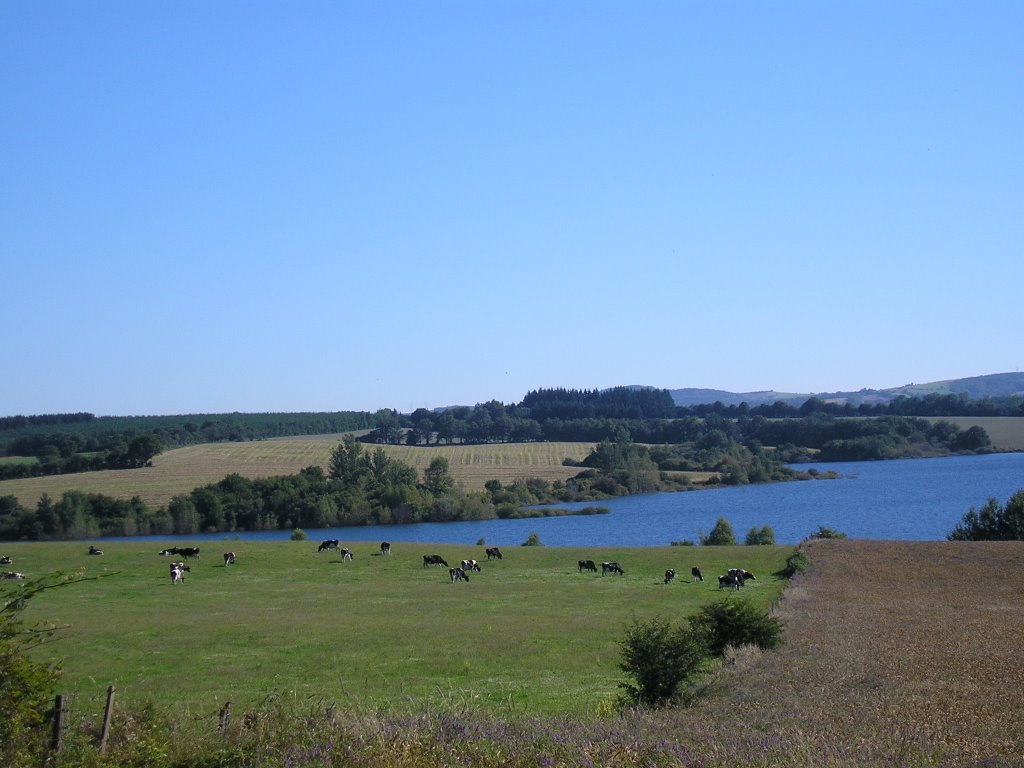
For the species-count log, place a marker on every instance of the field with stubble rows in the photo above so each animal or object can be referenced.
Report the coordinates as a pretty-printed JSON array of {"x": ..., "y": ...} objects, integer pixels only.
[{"x": 180, "y": 470}]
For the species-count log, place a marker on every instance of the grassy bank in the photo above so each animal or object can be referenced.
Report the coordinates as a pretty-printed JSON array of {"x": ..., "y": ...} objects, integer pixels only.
[{"x": 529, "y": 634}]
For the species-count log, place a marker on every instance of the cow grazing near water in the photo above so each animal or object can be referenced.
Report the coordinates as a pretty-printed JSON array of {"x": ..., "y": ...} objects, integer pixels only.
[
  {"x": 346, "y": 555},
  {"x": 697, "y": 575},
  {"x": 385, "y": 547},
  {"x": 329, "y": 544},
  {"x": 5, "y": 560},
  {"x": 670, "y": 575},
  {"x": 94, "y": 551},
  {"x": 188, "y": 552},
  {"x": 731, "y": 580},
  {"x": 493, "y": 553},
  {"x": 434, "y": 560},
  {"x": 178, "y": 571},
  {"x": 458, "y": 574},
  {"x": 229, "y": 558},
  {"x": 471, "y": 565},
  {"x": 587, "y": 565},
  {"x": 612, "y": 568}
]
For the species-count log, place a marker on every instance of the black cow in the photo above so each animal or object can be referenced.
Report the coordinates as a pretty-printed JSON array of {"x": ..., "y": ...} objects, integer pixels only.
[
  {"x": 171, "y": 551},
  {"x": 458, "y": 574},
  {"x": 493, "y": 553},
  {"x": 434, "y": 560},
  {"x": 94, "y": 551},
  {"x": 697, "y": 575},
  {"x": 385, "y": 547},
  {"x": 188, "y": 552},
  {"x": 329, "y": 544},
  {"x": 670, "y": 575},
  {"x": 587, "y": 565},
  {"x": 229, "y": 558},
  {"x": 5, "y": 560},
  {"x": 612, "y": 568}
]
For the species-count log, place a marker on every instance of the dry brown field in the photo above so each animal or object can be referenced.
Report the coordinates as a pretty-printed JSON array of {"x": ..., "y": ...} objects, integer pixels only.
[
  {"x": 182, "y": 469},
  {"x": 1006, "y": 432},
  {"x": 897, "y": 653}
]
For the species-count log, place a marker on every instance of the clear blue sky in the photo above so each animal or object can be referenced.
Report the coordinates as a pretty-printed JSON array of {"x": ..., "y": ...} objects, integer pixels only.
[{"x": 285, "y": 206}]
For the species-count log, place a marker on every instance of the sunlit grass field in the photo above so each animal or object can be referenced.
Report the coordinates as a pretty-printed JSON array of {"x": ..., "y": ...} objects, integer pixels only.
[
  {"x": 528, "y": 634},
  {"x": 180, "y": 470}
]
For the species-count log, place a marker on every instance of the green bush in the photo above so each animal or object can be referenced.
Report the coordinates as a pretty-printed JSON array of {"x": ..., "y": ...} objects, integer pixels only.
[
  {"x": 661, "y": 659},
  {"x": 299, "y": 535},
  {"x": 763, "y": 537},
  {"x": 533, "y": 540},
  {"x": 721, "y": 535},
  {"x": 827, "y": 533},
  {"x": 992, "y": 522},
  {"x": 735, "y": 622},
  {"x": 798, "y": 562}
]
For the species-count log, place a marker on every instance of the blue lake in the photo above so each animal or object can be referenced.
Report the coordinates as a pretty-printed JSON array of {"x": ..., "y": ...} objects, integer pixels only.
[{"x": 910, "y": 499}]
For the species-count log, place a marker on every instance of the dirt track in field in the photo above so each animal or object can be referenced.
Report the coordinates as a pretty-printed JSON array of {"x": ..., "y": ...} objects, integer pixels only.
[{"x": 910, "y": 652}]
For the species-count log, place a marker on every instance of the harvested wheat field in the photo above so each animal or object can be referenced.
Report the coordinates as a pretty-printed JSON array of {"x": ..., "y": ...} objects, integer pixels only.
[{"x": 898, "y": 653}]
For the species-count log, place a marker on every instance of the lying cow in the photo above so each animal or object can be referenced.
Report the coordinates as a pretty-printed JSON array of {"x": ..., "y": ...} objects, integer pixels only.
[
  {"x": 171, "y": 551},
  {"x": 493, "y": 553},
  {"x": 94, "y": 551},
  {"x": 612, "y": 568},
  {"x": 5, "y": 560},
  {"x": 458, "y": 574},
  {"x": 13, "y": 575},
  {"x": 697, "y": 575},
  {"x": 385, "y": 547},
  {"x": 670, "y": 575},
  {"x": 329, "y": 544},
  {"x": 229, "y": 558},
  {"x": 471, "y": 565},
  {"x": 587, "y": 565},
  {"x": 434, "y": 560}
]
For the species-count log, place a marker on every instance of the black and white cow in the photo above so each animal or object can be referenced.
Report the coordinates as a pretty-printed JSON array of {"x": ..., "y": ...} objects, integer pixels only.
[
  {"x": 434, "y": 560},
  {"x": 178, "y": 571},
  {"x": 612, "y": 568},
  {"x": 493, "y": 553},
  {"x": 188, "y": 552},
  {"x": 731, "y": 580},
  {"x": 329, "y": 544},
  {"x": 5, "y": 560},
  {"x": 458, "y": 574},
  {"x": 670, "y": 575},
  {"x": 471, "y": 565},
  {"x": 13, "y": 575},
  {"x": 229, "y": 558},
  {"x": 94, "y": 551},
  {"x": 385, "y": 547},
  {"x": 346, "y": 555},
  {"x": 697, "y": 575},
  {"x": 587, "y": 565},
  {"x": 171, "y": 551}
]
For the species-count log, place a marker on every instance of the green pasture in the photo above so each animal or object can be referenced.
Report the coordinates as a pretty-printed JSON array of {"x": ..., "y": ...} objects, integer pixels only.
[{"x": 529, "y": 634}]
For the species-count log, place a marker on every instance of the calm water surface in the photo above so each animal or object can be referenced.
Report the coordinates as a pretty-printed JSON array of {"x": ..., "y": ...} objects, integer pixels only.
[{"x": 910, "y": 499}]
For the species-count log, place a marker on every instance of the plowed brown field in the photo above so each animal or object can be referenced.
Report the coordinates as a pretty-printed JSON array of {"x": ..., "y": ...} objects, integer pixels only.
[{"x": 901, "y": 653}]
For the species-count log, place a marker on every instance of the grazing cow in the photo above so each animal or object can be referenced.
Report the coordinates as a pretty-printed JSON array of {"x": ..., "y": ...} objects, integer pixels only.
[
  {"x": 177, "y": 575},
  {"x": 171, "y": 551},
  {"x": 493, "y": 553},
  {"x": 229, "y": 558},
  {"x": 434, "y": 560},
  {"x": 329, "y": 544},
  {"x": 94, "y": 551},
  {"x": 587, "y": 565},
  {"x": 188, "y": 552},
  {"x": 385, "y": 547},
  {"x": 697, "y": 575},
  {"x": 458, "y": 574},
  {"x": 471, "y": 565},
  {"x": 346, "y": 554},
  {"x": 730, "y": 581},
  {"x": 670, "y": 575},
  {"x": 743, "y": 575},
  {"x": 13, "y": 575},
  {"x": 5, "y": 560},
  {"x": 612, "y": 568}
]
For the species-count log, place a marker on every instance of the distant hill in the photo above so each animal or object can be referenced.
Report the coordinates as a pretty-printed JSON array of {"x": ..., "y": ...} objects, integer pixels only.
[{"x": 975, "y": 387}]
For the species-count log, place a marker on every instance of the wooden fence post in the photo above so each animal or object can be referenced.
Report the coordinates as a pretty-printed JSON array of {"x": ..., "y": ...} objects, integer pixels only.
[
  {"x": 60, "y": 713},
  {"x": 107, "y": 713},
  {"x": 225, "y": 716}
]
